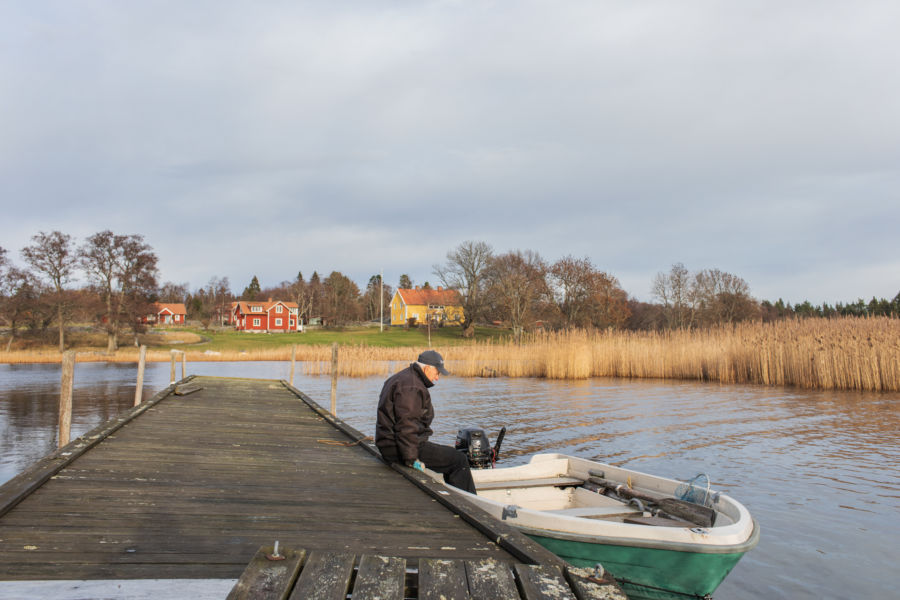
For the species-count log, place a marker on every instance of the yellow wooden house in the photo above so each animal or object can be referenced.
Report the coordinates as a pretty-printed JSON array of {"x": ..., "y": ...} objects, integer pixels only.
[{"x": 437, "y": 305}]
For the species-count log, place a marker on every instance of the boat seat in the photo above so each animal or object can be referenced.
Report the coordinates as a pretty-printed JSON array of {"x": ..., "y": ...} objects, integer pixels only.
[
  {"x": 595, "y": 511},
  {"x": 659, "y": 522},
  {"x": 527, "y": 483}
]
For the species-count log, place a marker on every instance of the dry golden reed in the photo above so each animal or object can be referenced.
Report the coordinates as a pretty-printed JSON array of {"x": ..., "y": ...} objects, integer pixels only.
[
  {"x": 840, "y": 354},
  {"x": 846, "y": 354}
]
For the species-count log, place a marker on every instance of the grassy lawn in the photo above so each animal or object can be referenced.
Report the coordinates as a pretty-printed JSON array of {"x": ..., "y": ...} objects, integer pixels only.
[{"x": 391, "y": 337}]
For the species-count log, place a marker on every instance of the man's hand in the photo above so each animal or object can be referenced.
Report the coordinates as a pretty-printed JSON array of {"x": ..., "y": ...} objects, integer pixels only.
[{"x": 415, "y": 464}]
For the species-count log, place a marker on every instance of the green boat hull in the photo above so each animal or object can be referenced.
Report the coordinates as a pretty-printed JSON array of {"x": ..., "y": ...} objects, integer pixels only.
[{"x": 651, "y": 573}]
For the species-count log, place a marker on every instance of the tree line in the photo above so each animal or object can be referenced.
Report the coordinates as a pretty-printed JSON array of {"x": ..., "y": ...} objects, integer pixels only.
[
  {"x": 518, "y": 289},
  {"x": 336, "y": 300},
  {"x": 121, "y": 276}
]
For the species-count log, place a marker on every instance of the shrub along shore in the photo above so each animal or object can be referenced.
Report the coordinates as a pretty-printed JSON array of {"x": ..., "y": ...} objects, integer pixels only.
[{"x": 833, "y": 354}]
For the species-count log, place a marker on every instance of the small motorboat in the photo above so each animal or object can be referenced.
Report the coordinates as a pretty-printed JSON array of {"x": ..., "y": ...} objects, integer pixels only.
[{"x": 660, "y": 538}]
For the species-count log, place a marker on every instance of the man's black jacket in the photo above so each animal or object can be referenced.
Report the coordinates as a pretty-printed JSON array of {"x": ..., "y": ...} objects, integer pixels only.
[{"x": 405, "y": 413}]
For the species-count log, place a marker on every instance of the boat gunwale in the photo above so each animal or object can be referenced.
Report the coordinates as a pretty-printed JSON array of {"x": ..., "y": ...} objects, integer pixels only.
[{"x": 656, "y": 544}]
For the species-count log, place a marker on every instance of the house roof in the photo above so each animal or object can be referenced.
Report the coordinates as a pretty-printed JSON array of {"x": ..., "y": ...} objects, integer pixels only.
[
  {"x": 244, "y": 305},
  {"x": 420, "y": 296},
  {"x": 175, "y": 308}
]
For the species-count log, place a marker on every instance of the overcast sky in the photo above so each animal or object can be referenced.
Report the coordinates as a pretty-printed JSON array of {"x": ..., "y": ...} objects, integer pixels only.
[{"x": 761, "y": 138}]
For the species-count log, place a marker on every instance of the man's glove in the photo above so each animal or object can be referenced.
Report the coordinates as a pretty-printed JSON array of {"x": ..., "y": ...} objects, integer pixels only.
[{"x": 415, "y": 464}]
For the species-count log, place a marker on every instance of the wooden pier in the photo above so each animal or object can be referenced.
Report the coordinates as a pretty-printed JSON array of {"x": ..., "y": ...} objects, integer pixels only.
[{"x": 191, "y": 483}]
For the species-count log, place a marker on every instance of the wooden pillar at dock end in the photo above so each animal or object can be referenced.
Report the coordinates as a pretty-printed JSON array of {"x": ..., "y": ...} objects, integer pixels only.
[
  {"x": 293, "y": 362},
  {"x": 65, "y": 397},
  {"x": 172, "y": 370},
  {"x": 334, "y": 376},
  {"x": 183, "y": 365},
  {"x": 139, "y": 390}
]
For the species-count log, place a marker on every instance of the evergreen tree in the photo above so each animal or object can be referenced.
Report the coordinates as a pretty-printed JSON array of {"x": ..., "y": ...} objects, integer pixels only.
[{"x": 251, "y": 291}]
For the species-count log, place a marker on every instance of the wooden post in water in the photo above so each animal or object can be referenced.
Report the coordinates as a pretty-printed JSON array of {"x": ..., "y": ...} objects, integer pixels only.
[
  {"x": 139, "y": 390},
  {"x": 172, "y": 370},
  {"x": 183, "y": 364},
  {"x": 334, "y": 376},
  {"x": 293, "y": 361},
  {"x": 65, "y": 397}
]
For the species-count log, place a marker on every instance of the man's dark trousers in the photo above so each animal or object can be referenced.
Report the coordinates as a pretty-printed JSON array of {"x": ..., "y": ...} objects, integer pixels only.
[{"x": 451, "y": 462}]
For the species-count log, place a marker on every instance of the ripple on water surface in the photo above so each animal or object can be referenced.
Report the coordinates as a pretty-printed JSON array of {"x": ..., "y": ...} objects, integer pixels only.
[{"x": 820, "y": 471}]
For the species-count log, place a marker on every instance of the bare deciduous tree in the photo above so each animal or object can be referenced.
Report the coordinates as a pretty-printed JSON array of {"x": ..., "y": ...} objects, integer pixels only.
[
  {"x": 518, "y": 287},
  {"x": 301, "y": 293},
  {"x": 585, "y": 296},
  {"x": 464, "y": 272},
  {"x": 572, "y": 282},
  {"x": 122, "y": 268},
  {"x": 610, "y": 307},
  {"x": 20, "y": 302},
  {"x": 705, "y": 298},
  {"x": 219, "y": 297},
  {"x": 673, "y": 290},
  {"x": 720, "y": 297},
  {"x": 52, "y": 256},
  {"x": 174, "y": 292}
]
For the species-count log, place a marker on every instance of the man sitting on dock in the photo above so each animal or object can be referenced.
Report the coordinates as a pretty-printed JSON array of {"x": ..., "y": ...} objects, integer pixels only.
[{"x": 404, "y": 420}]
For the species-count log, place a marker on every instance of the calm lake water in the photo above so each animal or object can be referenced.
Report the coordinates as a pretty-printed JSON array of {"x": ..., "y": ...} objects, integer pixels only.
[{"x": 820, "y": 471}]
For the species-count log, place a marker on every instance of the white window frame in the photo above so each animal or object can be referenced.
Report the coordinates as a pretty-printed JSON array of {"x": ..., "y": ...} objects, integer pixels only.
[
  {"x": 277, "y": 322},
  {"x": 278, "y": 308},
  {"x": 256, "y": 322}
]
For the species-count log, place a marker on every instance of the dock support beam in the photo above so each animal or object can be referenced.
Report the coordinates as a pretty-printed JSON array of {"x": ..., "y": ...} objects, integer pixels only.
[
  {"x": 293, "y": 362},
  {"x": 139, "y": 390},
  {"x": 334, "y": 376},
  {"x": 183, "y": 365},
  {"x": 65, "y": 397}
]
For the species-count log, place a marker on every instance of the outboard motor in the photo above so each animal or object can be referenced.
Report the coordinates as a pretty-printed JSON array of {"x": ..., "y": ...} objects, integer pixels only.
[{"x": 476, "y": 445}]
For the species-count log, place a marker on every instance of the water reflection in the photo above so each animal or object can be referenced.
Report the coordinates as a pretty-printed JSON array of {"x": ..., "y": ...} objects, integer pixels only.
[{"x": 819, "y": 470}]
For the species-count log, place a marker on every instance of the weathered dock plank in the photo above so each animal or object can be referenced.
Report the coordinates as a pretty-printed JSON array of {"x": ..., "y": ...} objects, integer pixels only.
[
  {"x": 268, "y": 576},
  {"x": 191, "y": 486},
  {"x": 380, "y": 578},
  {"x": 330, "y": 576},
  {"x": 326, "y": 576},
  {"x": 490, "y": 579}
]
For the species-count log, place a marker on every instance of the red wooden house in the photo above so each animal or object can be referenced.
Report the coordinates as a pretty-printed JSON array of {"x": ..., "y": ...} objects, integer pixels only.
[
  {"x": 271, "y": 315},
  {"x": 166, "y": 314}
]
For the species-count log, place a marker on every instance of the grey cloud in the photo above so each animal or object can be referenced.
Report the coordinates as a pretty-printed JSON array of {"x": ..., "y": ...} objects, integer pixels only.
[{"x": 759, "y": 138}]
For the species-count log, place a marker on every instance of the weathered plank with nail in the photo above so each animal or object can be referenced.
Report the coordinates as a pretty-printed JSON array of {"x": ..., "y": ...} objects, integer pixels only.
[{"x": 268, "y": 579}]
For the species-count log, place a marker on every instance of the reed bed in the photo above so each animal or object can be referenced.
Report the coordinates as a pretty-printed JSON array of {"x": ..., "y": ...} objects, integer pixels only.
[
  {"x": 832, "y": 354},
  {"x": 840, "y": 354}
]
